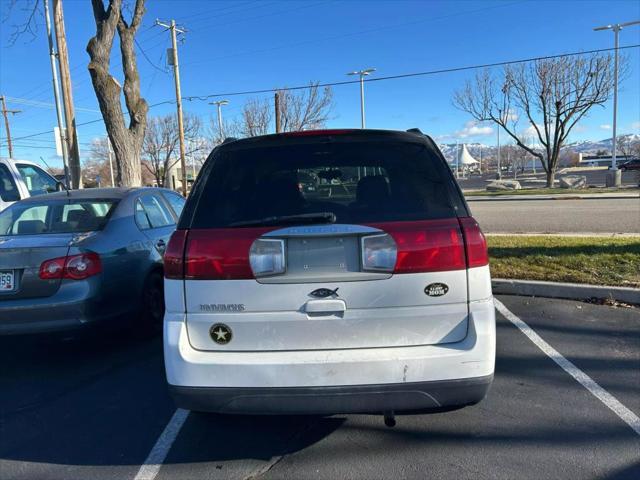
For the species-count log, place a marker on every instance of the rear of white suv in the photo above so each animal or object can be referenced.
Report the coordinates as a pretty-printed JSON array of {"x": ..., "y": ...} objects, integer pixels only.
[{"x": 328, "y": 272}]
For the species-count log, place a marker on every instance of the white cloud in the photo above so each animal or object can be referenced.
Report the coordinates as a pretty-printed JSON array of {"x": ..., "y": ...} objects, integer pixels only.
[
  {"x": 635, "y": 126},
  {"x": 530, "y": 131},
  {"x": 606, "y": 126},
  {"x": 473, "y": 129}
]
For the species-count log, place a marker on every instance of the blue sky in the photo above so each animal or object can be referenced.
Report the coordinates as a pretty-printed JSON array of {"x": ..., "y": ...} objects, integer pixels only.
[{"x": 246, "y": 45}]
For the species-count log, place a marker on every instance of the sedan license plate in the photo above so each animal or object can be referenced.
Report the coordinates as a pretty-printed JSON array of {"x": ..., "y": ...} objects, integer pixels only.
[{"x": 6, "y": 280}]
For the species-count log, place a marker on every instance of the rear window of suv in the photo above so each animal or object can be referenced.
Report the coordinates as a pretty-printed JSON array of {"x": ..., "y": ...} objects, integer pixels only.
[{"x": 358, "y": 182}]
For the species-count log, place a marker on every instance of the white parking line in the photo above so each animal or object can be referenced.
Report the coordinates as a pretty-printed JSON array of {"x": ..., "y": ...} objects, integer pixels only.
[
  {"x": 151, "y": 466},
  {"x": 585, "y": 380}
]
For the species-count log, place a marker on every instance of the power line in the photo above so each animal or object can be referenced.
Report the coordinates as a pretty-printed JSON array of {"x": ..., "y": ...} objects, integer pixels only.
[
  {"x": 348, "y": 34},
  {"x": 376, "y": 79},
  {"x": 246, "y": 19},
  {"x": 144, "y": 54},
  {"x": 408, "y": 75}
]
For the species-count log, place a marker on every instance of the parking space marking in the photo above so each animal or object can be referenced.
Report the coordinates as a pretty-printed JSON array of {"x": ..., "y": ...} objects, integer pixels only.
[
  {"x": 585, "y": 380},
  {"x": 151, "y": 466}
]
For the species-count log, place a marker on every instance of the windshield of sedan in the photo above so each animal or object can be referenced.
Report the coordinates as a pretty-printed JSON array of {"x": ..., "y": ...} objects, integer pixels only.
[{"x": 56, "y": 216}]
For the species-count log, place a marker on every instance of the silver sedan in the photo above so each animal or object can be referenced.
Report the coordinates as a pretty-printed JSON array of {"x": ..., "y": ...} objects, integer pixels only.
[{"x": 70, "y": 260}]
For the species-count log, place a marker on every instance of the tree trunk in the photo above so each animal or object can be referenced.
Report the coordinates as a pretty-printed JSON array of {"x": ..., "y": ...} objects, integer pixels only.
[
  {"x": 551, "y": 178},
  {"x": 126, "y": 140}
]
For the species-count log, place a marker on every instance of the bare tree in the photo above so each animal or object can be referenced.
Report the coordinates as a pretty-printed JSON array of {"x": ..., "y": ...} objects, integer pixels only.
[
  {"x": 306, "y": 110},
  {"x": 625, "y": 146},
  {"x": 299, "y": 110},
  {"x": 28, "y": 25},
  {"x": 126, "y": 139},
  {"x": 256, "y": 117},
  {"x": 161, "y": 141},
  {"x": 229, "y": 129},
  {"x": 552, "y": 96}
]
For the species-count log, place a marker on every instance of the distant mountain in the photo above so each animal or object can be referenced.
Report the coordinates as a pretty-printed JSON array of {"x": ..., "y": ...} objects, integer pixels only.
[
  {"x": 591, "y": 147},
  {"x": 586, "y": 147}
]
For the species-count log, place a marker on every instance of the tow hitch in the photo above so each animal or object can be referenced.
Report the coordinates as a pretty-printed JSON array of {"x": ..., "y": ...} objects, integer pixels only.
[{"x": 389, "y": 419}]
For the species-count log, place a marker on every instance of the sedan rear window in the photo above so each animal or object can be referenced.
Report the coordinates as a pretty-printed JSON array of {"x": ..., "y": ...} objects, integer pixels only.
[
  {"x": 58, "y": 216},
  {"x": 347, "y": 182}
]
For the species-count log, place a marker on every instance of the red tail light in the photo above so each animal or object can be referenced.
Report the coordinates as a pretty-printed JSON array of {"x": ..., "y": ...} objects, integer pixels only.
[
  {"x": 477, "y": 253},
  {"x": 74, "y": 267},
  {"x": 220, "y": 254},
  {"x": 427, "y": 245},
  {"x": 174, "y": 255},
  {"x": 52, "y": 269}
]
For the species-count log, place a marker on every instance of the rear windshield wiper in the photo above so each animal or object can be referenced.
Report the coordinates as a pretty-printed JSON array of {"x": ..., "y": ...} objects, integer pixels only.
[{"x": 303, "y": 219}]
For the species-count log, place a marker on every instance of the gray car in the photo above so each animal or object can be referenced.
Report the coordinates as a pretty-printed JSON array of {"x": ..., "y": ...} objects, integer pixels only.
[{"x": 70, "y": 260}]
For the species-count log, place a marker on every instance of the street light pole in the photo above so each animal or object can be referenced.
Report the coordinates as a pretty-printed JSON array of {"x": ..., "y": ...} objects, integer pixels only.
[
  {"x": 362, "y": 74},
  {"x": 56, "y": 95},
  {"x": 499, "y": 168},
  {"x": 219, "y": 104},
  {"x": 616, "y": 179}
]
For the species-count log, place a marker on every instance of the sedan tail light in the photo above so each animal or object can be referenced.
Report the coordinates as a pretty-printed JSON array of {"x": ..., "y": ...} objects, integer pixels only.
[{"x": 73, "y": 267}]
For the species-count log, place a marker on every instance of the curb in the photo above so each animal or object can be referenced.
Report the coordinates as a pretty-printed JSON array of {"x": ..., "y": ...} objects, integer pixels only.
[
  {"x": 571, "y": 291},
  {"x": 503, "y": 198}
]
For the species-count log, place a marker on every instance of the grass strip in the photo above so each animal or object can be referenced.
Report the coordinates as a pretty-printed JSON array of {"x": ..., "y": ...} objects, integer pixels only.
[{"x": 590, "y": 260}]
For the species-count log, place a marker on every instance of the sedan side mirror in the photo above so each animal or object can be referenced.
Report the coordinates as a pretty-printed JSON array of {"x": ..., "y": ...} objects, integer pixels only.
[{"x": 60, "y": 187}]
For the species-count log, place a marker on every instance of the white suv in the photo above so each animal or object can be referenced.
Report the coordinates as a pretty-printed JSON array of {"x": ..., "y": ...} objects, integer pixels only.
[
  {"x": 324, "y": 272},
  {"x": 23, "y": 179}
]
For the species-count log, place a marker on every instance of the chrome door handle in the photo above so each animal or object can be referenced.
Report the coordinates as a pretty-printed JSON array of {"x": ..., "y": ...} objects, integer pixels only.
[{"x": 325, "y": 306}]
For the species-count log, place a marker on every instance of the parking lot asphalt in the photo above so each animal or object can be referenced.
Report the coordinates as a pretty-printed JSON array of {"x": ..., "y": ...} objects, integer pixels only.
[
  {"x": 619, "y": 215},
  {"x": 95, "y": 409}
]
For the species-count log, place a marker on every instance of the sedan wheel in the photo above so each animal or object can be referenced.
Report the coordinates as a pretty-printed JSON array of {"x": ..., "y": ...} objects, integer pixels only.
[{"x": 153, "y": 303}]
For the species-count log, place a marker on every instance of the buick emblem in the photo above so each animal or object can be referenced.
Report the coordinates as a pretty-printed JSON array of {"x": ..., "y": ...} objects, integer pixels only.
[
  {"x": 221, "y": 333},
  {"x": 324, "y": 293}
]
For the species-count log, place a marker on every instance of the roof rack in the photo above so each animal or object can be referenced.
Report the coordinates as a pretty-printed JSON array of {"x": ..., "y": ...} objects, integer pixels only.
[
  {"x": 415, "y": 130},
  {"x": 229, "y": 139}
]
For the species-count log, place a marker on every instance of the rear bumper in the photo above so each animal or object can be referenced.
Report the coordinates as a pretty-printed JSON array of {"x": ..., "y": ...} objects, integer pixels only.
[
  {"x": 364, "y": 379},
  {"x": 75, "y": 306},
  {"x": 399, "y": 397}
]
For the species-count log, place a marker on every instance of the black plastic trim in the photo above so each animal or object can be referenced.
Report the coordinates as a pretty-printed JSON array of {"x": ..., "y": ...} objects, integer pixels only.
[{"x": 414, "y": 397}]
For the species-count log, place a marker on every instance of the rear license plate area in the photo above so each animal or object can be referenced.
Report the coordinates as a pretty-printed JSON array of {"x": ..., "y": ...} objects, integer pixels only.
[
  {"x": 7, "y": 280},
  {"x": 322, "y": 255}
]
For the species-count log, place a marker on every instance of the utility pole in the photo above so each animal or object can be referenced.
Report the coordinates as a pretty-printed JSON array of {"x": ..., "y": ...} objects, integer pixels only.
[
  {"x": 277, "y": 107},
  {"x": 614, "y": 178},
  {"x": 219, "y": 104},
  {"x": 6, "y": 124},
  {"x": 67, "y": 96},
  {"x": 56, "y": 94},
  {"x": 176, "y": 75}
]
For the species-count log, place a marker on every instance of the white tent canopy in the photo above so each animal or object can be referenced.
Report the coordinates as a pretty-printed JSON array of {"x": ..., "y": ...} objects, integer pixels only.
[{"x": 465, "y": 157}]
